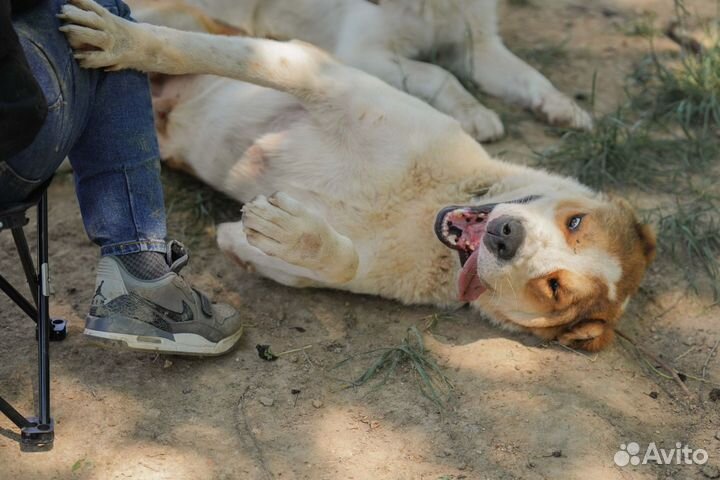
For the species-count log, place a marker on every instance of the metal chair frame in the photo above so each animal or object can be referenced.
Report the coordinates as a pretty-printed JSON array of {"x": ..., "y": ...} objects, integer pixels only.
[{"x": 35, "y": 431}]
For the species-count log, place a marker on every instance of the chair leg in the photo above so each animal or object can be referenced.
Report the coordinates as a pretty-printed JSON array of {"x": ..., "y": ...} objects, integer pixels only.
[
  {"x": 14, "y": 416},
  {"x": 18, "y": 298},
  {"x": 41, "y": 432},
  {"x": 43, "y": 295}
]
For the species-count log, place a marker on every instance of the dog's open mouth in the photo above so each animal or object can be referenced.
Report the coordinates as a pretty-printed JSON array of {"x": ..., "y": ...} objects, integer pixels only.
[{"x": 462, "y": 229}]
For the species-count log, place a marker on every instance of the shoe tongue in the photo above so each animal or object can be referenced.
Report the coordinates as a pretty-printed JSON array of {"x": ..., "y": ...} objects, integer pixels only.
[{"x": 177, "y": 256}]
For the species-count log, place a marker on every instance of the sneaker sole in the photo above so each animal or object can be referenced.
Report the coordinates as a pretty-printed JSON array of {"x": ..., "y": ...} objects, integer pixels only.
[{"x": 183, "y": 343}]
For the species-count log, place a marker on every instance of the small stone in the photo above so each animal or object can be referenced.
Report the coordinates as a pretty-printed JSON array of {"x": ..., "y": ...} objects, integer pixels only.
[
  {"x": 715, "y": 394},
  {"x": 267, "y": 401},
  {"x": 557, "y": 453},
  {"x": 711, "y": 471},
  {"x": 653, "y": 395},
  {"x": 717, "y": 435},
  {"x": 187, "y": 390},
  {"x": 690, "y": 341},
  {"x": 581, "y": 96},
  {"x": 317, "y": 403},
  {"x": 609, "y": 12},
  {"x": 167, "y": 364}
]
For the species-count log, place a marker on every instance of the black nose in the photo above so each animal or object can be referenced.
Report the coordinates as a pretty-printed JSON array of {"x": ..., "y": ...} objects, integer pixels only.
[{"x": 504, "y": 236}]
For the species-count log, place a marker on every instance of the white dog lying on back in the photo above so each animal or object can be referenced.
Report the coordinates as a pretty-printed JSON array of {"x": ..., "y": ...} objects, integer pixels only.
[
  {"x": 396, "y": 40},
  {"x": 370, "y": 179}
]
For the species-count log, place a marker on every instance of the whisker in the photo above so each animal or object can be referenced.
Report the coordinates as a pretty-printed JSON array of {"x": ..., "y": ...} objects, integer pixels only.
[{"x": 507, "y": 277}]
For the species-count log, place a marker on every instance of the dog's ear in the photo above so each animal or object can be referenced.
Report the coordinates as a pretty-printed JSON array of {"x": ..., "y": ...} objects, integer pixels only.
[
  {"x": 648, "y": 240},
  {"x": 590, "y": 335},
  {"x": 643, "y": 233}
]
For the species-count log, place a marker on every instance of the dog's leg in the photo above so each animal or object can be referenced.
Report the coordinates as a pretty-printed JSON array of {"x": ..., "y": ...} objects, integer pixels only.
[
  {"x": 347, "y": 106},
  {"x": 436, "y": 86},
  {"x": 233, "y": 241},
  {"x": 500, "y": 73},
  {"x": 282, "y": 228},
  {"x": 103, "y": 40}
]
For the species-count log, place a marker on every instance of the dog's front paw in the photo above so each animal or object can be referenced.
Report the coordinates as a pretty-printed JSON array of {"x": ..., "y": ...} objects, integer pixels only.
[
  {"x": 481, "y": 123},
  {"x": 557, "y": 109},
  {"x": 99, "y": 38},
  {"x": 591, "y": 335},
  {"x": 281, "y": 227}
]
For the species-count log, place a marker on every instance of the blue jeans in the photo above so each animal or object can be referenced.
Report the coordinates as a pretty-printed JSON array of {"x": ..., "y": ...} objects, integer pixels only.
[{"x": 104, "y": 123}]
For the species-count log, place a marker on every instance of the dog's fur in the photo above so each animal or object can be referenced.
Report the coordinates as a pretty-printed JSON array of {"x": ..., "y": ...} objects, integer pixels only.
[
  {"x": 420, "y": 46},
  {"x": 363, "y": 169}
]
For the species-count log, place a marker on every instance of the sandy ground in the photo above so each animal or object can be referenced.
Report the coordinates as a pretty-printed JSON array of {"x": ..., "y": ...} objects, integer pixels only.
[{"x": 519, "y": 410}]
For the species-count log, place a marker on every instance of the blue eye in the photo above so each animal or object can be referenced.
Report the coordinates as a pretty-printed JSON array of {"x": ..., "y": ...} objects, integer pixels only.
[{"x": 574, "y": 222}]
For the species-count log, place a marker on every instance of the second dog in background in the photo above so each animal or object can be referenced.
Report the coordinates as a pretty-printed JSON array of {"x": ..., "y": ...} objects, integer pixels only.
[{"x": 424, "y": 47}]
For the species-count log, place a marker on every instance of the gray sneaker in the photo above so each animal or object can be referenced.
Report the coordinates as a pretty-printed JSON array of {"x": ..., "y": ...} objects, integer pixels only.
[{"x": 164, "y": 315}]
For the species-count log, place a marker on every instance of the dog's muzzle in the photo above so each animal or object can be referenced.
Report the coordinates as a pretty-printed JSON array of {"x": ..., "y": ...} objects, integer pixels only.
[{"x": 462, "y": 228}]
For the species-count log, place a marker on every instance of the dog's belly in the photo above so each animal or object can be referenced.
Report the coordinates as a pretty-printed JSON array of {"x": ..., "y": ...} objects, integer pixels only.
[{"x": 216, "y": 121}]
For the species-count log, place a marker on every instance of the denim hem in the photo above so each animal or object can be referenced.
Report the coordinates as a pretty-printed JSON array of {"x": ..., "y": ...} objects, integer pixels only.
[{"x": 126, "y": 248}]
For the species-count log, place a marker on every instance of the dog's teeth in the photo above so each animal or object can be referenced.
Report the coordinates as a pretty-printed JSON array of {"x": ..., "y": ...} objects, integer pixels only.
[
  {"x": 452, "y": 239},
  {"x": 471, "y": 247}
]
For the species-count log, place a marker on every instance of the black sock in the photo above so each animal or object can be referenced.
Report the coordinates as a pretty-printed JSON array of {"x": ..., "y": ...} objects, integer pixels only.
[{"x": 145, "y": 265}]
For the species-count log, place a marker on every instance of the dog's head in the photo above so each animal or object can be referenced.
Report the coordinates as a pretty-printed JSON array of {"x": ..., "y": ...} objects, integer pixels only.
[{"x": 561, "y": 263}]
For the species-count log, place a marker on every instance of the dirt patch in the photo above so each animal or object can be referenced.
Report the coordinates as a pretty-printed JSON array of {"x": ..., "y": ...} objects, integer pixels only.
[{"x": 519, "y": 409}]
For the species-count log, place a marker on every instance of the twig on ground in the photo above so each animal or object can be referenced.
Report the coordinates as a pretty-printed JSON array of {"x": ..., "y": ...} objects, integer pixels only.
[
  {"x": 685, "y": 41},
  {"x": 709, "y": 357},
  {"x": 673, "y": 373},
  {"x": 670, "y": 308},
  {"x": 684, "y": 353},
  {"x": 577, "y": 352},
  {"x": 294, "y": 350}
]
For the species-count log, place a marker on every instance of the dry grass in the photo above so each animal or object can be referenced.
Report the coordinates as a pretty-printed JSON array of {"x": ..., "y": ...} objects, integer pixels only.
[{"x": 431, "y": 380}]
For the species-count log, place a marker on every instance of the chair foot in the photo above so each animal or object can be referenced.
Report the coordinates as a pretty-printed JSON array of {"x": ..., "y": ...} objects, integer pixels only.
[
  {"x": 37, "y": 436},
  {"x": 59, "y": 329},
  {"x": 58, "y": 332}
]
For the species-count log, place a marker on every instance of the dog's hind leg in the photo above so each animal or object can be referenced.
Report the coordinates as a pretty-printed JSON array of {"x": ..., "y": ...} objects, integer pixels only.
[
  {"x": 500, "y": 73},
  {"x": 435, "y": 85}
]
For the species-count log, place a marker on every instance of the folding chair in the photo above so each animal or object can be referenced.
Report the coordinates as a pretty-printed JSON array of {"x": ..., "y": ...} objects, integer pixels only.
[{"x": 35, "y": 432}]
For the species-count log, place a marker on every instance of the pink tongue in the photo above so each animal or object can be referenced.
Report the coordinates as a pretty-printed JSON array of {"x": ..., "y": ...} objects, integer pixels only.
[{"x": 469, "y": 285}]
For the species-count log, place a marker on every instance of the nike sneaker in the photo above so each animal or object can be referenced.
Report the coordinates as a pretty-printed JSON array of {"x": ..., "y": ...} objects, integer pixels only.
[{"x": 164, "y": 315}]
